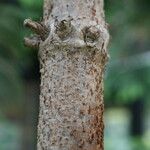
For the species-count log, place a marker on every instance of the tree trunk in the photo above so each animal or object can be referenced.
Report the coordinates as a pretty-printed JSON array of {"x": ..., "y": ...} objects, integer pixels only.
[{"x": 72, "y": 41}]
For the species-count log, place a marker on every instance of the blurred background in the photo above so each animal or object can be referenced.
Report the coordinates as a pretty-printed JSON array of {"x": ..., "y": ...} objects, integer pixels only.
[{"x": 127, "y": 78}]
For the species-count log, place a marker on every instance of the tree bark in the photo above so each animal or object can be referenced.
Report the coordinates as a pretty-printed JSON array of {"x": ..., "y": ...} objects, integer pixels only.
[{"x": 72, "y": 42}]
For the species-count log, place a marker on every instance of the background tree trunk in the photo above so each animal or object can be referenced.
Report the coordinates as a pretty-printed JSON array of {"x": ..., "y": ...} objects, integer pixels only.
[{"x": 72, "y": 42}]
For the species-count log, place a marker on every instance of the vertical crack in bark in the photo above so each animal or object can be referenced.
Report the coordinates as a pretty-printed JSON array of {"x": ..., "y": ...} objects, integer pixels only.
[{"x": 47, "y": 9}]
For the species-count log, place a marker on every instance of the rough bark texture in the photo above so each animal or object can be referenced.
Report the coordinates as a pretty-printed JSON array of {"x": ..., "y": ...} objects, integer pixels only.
[{"x": 72, "y": 61}]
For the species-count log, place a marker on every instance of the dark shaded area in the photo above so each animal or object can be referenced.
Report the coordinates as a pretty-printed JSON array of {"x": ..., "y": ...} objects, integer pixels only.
[
  {"x": 137, "y": 113},
  {"x": 10, "y": 2}
]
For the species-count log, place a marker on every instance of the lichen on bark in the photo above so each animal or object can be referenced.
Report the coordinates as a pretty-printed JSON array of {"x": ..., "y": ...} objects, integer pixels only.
[{"x": 72, "y": 55}]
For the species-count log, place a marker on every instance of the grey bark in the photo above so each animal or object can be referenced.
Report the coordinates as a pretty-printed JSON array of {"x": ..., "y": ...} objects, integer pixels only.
[{"x": 72, "y": 41}]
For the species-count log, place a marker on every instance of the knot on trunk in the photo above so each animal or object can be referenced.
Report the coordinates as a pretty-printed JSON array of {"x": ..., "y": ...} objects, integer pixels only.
[
  {"x": 91, "y": 34},
  {"x": 63, "y": 29}
]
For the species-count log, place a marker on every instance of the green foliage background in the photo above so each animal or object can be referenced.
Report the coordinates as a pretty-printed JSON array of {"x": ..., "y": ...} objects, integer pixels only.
[{"x": 128, "y": 72}]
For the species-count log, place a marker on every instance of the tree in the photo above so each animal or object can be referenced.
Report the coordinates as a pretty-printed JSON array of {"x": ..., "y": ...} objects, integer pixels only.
[{"x": 72, "y": 41}]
